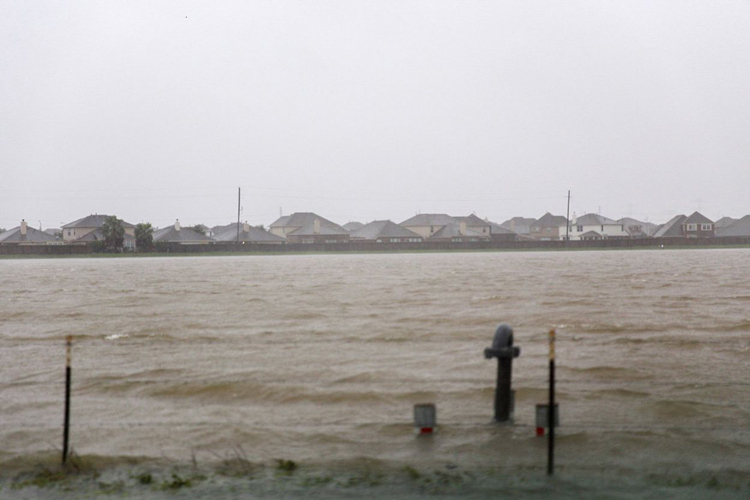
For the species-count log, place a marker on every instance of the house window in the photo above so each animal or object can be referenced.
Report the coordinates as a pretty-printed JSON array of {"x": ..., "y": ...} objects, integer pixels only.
[
  {"x": 692, "y": 227},
  {"x": 602, "y": 227},
  {"x": 432, "y": 229},
  {"x": 705, "y": 227},
  {"x": 579, "y": 229}
]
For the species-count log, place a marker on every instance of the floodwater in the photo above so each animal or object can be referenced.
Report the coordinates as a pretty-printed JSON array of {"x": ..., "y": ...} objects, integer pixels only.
[{"x": 319, "y": 359}]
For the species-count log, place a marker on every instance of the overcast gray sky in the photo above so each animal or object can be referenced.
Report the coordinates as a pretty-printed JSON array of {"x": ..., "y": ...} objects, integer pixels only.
[{"x": 371, "y": 110}]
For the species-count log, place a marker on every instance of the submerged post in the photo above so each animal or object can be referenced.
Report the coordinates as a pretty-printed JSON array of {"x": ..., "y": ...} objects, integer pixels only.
[
  {"x": 503, "y": 349},
  {"x": 66, "y": 424},
  {"x": 551, "y": 411}
]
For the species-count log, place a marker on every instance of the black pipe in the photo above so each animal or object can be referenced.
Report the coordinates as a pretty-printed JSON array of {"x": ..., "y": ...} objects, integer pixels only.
[
  {"x": 551, "y": 408},
  {"x": 66, "y": 424}
]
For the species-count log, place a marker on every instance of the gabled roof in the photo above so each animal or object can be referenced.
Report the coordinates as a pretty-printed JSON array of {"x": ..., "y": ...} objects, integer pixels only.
[
  {"x": 698, "y": 218},
  {"x": 634, "y": 227},
  {"x": 549, "y": 220},
  {"x": 255, "y": 234},
  {"x": 309, "y": 230},
  {"x": 428, "y": 220},
  {"x": 95, "y": 220},
  {"x": 184, "y": 235},
  {"x": 383, "y": 229},
  {"x": 353, "y": 226},
  {"x": 472, "y": 221},
  {"x": 453, "y": 230},
  {"x": 724, "y": 222},
  {"x": 98, "y": 235},
  {"x": 300, "y": 219},
  {"x": 496, "y": 228},
  {"x": 740, "y": 227},
  {"x": 519, "y": 220},
  {"x": 595, "y": 220},
  {"x": 591, "y": 234},
  {"x": 673, "y": 227},
  {"x": 32, "y": 236}
]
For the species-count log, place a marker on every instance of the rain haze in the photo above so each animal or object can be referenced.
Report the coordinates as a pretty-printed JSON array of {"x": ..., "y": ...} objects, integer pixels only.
[{"x": 372, "y": 110}]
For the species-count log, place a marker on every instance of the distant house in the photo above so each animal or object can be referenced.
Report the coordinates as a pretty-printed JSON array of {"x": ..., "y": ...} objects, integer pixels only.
[
  {"x": 681, "y": 226},
  {"x": 519, "y": 225},
  {"x": 672, "y": 228},
  {"x": 722, "y": 223},
  {"x": 79, "y": 230},
  {"x": 740, "y": 227},
  {"x": 25, "y": 235},
  {"x": 459, "y": 233},
  {"x": 385, "y": 231},
  {"x": 427, "y": 225},
  {"x": 353, "y": 226},
  {"x": 638, "y": 229},
  {"x": 601, "y": 227},
  {"x": 98, "y": 235},
  {"x": 549, "y": 227},
  {"x": 431, "y": 227},
  {"x": 178, "y": 234},
  {"x": 249, "y": 234},
  {"x": 500, "y": 233},
  {"x": 289, "y": 223},
  {"x": 318, "y": 232},
  {"x": 698, "y": 226}
]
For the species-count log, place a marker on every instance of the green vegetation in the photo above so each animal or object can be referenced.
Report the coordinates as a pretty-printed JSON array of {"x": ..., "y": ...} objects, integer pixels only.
[
  {"x": 176, "y": 483},
  {"x": 288, "y": 466},
  {"x": 114, "y": 234},
  {"x": 144, "y": 237},
  {"x": 199, "y": 228}
]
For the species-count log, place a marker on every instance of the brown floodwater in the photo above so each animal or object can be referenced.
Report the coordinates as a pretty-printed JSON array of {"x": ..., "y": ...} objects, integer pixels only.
[{"x": 320, "y": 358}]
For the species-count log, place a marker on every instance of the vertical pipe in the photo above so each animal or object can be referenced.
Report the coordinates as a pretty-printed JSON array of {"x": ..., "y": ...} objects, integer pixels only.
[
  {"x": 567, "y": 216},
  {"x": 239, "y": 198},
  {"x": 502, "y": 391},
  {"x": 66, "y": 424},
  {"x": 551, "y": 409}
]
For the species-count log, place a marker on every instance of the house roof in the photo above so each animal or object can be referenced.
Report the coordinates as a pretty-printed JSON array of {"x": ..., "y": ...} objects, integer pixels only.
[
  {"x": 309, "y": 230},
  {"x": 383, "y": 229},
  {"x": 32, "y": 236},
  {"x": 591, "y": 234},
  {"x": 549, "y": 220},
  {"x": 595, "y": 220},
  {"x": 724, "y": 222},
  {"x": 472, "y": 221},
  {"x": 255, "y": 234},
  {"x": 698, "y": 218},
  {"x": 428, "y": 220},
  {"x": 635, "y": 227},
  {"x": 453, "y": 230},
  {"x": 184, "y": 235},
  {"x": 95, "y": 220},
  {"x": 353, "y": 226},
  {"x": 673, "y": 227},
  {"x": 496, "y": 228},
  {"x": 300, "y": 219},
  {"x": 98, "y": 235},
  {"x": 740, "y": 227},
  {"x": 519, "y": 220}
]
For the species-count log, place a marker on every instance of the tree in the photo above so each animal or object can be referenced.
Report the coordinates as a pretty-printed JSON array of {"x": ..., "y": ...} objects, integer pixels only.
[
  {"x": 199, "y": 228},
  {"x": 114, "y": 234},
  {"x": 144, "y": 237}
]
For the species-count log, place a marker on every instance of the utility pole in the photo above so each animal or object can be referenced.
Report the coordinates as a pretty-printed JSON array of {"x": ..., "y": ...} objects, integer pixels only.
[
  {"x": 239, "y": 198},
  {"x": 567, "y": 226}
]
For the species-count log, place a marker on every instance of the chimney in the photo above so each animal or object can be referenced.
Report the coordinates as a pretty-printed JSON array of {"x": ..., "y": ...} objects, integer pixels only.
[
  {"x": 246, "y": 227},
  {"x": 574, "y": 220},
  {"x": 462, "y": 228},
  {"x": 177, "y": 225},
  {"x": 23, "y": 227},
  {"x": 316, "y": 226}
]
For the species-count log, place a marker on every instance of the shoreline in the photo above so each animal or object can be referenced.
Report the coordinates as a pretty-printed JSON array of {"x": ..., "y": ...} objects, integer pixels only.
[{"x": 253, "y": 252}]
